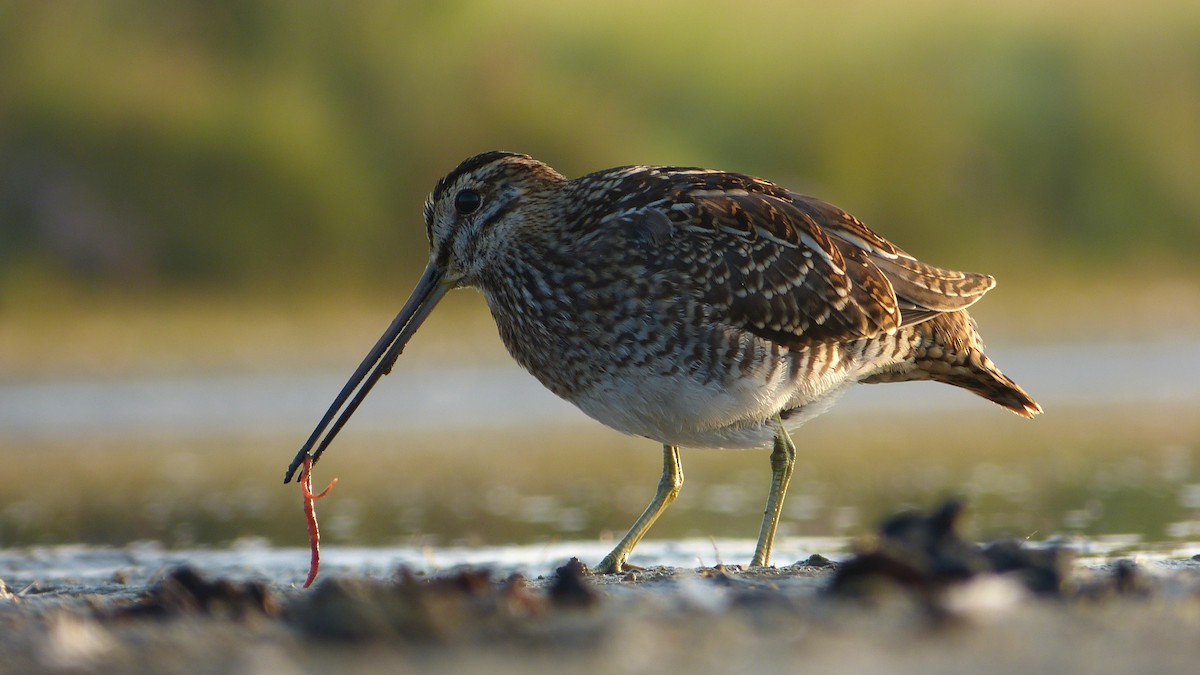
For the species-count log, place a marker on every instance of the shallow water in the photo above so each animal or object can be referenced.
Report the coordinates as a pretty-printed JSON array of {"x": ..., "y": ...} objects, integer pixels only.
[
  {"x": 486, "y": 457},
  {"x": 138, "y": 563},
  {"x": 74, "y": 567},
  {"x": 416, "y": 399}
]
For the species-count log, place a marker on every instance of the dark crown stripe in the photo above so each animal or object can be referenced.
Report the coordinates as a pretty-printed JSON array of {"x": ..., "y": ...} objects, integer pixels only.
[{"x": 470, "y": 164}]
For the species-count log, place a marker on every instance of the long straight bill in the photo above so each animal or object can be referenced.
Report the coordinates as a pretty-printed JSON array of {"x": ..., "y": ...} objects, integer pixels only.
[{"x": 378, "y": 363}]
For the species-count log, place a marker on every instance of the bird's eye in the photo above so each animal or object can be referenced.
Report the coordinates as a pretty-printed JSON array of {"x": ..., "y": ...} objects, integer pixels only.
[{"x": 467, "y": 202}]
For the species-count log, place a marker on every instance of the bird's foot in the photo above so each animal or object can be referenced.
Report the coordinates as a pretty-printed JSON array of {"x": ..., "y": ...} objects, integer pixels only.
[{"x": 614, "y": 564}]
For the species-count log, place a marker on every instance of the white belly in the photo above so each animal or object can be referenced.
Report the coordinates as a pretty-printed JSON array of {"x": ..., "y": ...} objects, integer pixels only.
[{"x": 683, "y": 411}]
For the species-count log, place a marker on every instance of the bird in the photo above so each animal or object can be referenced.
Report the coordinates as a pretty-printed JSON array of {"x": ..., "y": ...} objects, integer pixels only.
[{"x": 690, "y": 306}]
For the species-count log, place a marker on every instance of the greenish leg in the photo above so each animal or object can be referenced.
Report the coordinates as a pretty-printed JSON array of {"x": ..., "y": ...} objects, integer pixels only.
[
  {"x": 783, "y": 460},
  {"x": 668, "y": 490}
]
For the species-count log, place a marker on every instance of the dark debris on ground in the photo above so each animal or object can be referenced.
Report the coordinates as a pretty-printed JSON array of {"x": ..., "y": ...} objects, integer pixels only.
[{"x": 917, "y": 555}]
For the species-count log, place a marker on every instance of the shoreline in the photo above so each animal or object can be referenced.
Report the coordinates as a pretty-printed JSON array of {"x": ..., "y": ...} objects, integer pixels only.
[{"x": 1121, "y": 615}]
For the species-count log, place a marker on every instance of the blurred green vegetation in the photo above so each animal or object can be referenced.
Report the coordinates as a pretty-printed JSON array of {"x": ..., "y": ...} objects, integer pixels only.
[{"x": 277, "y": 146}]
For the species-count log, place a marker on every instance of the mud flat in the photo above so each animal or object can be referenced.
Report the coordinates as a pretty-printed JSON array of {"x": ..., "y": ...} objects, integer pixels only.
[{"x": 914, "y": 600}]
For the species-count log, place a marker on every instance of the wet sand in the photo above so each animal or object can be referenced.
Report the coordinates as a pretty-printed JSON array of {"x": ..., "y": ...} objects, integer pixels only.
[{"x": 143, "y": 609}]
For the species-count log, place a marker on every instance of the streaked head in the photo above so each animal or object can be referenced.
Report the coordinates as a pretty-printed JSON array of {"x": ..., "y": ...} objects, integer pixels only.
[
  {"x": 468, "y": 216},
  {"x": 476, "y": 206}
]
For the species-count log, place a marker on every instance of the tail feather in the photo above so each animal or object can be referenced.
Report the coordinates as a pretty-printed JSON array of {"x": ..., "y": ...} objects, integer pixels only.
[
  {"x": 987, "y": 381},
  {"x": 948, "y": 349}
]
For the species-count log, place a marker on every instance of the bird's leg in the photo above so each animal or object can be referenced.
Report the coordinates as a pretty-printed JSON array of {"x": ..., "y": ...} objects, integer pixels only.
[
  {"x": 783, "y": 460},
  {"x": 668, "y": 490}
]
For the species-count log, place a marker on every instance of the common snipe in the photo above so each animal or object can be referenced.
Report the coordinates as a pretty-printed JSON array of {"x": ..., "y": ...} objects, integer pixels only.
[{"x": 693, "y": 307}]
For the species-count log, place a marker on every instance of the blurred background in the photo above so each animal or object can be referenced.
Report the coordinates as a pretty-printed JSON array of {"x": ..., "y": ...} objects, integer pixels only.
[{"x": 210, "y": 210}]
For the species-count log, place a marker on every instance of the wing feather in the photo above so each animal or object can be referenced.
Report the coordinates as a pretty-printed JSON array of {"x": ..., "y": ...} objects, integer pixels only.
[
  {"x": 805, "y": 272},
  {"x": 789, "y": 268}
]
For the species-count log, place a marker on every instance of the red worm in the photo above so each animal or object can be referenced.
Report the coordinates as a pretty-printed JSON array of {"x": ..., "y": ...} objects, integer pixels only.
[{"x": 310, "y": 512}]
